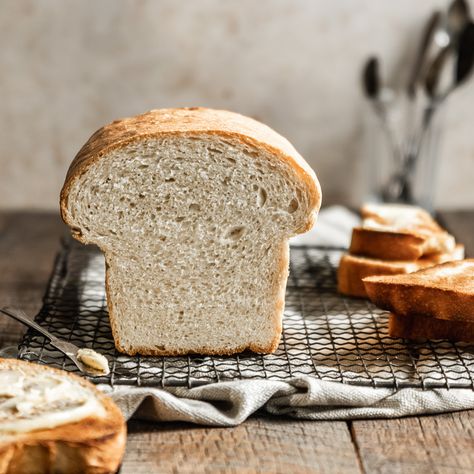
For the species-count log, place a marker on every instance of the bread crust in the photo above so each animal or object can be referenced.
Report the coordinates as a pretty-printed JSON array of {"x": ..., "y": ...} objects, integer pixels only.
[
  {"x": 196, "y": 121},
  {"x": 90, "y": 446},
  {"x": 398, "y": 232},
  {"x": 407, "y": 295},
  {"x": 386, "y": 245},
  {"x": 353, "y": 269},
  {"x": 423, "y": 327}
]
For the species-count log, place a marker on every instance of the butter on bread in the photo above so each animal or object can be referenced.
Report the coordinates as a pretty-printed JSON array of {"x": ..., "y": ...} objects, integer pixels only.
[
  {"x": 445, "y": 291},
  {"x": 52, "y": 421},
  {"x": 353, "y": 268},
  {"x": 398, "y": 232}
]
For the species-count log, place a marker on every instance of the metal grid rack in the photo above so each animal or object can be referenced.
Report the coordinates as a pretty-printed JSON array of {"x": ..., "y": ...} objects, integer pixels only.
[{"x": 325, "y": 335}]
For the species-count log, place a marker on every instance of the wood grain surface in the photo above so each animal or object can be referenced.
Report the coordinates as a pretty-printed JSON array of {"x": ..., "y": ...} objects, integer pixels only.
[
  {"x": 261, "y": 444},
  {"x": 428, "y": 444}
]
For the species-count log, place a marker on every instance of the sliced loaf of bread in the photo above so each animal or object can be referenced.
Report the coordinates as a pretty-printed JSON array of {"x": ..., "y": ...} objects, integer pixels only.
[{"x": 193, "y": 209}]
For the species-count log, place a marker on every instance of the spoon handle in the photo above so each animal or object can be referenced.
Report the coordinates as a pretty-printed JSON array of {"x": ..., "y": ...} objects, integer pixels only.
[
  {"x": 21, "y": 317},
  {"x": 67, "y": 348},
  {"x": 422, "y": 52}
]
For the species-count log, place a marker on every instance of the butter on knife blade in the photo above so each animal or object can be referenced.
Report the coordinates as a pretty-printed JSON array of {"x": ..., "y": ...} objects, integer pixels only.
[{"x": 94, "y": 360}]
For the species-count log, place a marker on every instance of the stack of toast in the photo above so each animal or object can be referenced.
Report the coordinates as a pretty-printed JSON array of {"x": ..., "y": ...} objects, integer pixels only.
[
  {"x": 394, "y": 239},
  {"x": 435, "y": 303}
]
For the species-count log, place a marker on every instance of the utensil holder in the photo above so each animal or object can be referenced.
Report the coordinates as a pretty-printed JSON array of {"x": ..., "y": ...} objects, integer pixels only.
[{"x": 403, "y": 153}]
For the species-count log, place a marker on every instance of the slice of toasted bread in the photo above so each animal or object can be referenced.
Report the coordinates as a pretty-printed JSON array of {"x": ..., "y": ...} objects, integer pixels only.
[
  {"x": 444, "y": 291},
  {"x": 52, "y": 421},
  {"x": 352, "y": 269},
  {"x": 425, "y": 327},
  {"x": 398, "y": 232}
]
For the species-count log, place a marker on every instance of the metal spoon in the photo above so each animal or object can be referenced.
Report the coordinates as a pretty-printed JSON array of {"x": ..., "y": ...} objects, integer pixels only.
[
  {"x": 465, "y": 62},
  {"x": 67, "y": 348},
  {"x": 457, "y": 17},
  {"x": 438, "y": 90},
  {"x": 371, "y": 78},
  {"x": 427, "y": 40}
]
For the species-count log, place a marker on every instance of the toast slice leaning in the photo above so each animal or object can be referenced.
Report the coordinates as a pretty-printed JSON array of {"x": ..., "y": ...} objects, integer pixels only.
[
  {"x": 398, "y": 232},
  {"x": 352, "y": 269},
  {"x": 425, "y": 327},
  {"x": 444, "y": 291},
  {"x": 52, "y": 421}
]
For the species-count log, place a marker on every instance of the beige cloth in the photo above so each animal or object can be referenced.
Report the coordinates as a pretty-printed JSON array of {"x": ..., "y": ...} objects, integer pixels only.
[{"x": 231, "y": 403}]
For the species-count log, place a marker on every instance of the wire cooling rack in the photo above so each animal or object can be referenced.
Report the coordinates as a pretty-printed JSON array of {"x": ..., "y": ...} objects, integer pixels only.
[{"x": 325, "y": 335}]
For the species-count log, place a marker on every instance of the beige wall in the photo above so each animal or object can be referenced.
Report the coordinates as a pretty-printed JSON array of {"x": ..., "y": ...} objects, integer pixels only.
[{"x": 67, "y": 67}]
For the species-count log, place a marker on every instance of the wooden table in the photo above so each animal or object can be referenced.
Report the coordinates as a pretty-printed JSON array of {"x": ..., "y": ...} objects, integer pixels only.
[{"x": 425, "y": 444}]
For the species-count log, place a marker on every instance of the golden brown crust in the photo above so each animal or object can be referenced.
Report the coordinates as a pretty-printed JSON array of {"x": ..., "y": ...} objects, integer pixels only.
[
  {"x": 190, "y": 121},
  {"x": 399, "y": 232},
  {"x": 352, "y": 269},
  {"x": 425, "y": 327},
  {"x": 92, "y": 445},
  {"x": 408, "y": 295},
  {"x": 386, "y": 245}
]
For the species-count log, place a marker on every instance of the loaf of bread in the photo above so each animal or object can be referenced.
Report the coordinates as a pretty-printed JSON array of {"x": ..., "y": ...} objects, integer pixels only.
[
  {"x": 55, "y": 422},
  {"x": 193, "y": 209}
]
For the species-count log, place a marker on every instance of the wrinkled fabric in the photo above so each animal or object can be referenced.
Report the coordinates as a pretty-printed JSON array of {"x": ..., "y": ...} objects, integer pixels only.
[{"x": 231, "y": 403}]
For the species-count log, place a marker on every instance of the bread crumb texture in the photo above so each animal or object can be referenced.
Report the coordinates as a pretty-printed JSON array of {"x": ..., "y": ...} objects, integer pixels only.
[{"x": 195, "y": 228}]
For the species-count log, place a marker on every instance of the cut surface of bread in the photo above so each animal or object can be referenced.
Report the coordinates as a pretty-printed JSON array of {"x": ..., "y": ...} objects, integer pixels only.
[
  {"x": 353, "y": 268},
  {"x": 193, "y": 209},
  {"x": 426, "y": 327},
  {"x": 52, "y": 421},
  {"x": 444, "y": 291},
  {"x": 398, "y": 232}
]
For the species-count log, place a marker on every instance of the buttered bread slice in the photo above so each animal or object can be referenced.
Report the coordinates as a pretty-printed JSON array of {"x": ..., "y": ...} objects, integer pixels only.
[{"x": 52, "y": 421}]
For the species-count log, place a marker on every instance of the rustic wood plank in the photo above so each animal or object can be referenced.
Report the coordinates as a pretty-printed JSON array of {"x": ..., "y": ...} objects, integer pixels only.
[
  {"x": 261, "y": 444},
  {"x": 28, "y": 243},
  {"x": 20, "y": 295},
  {"x": 439, "y": 444}
]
